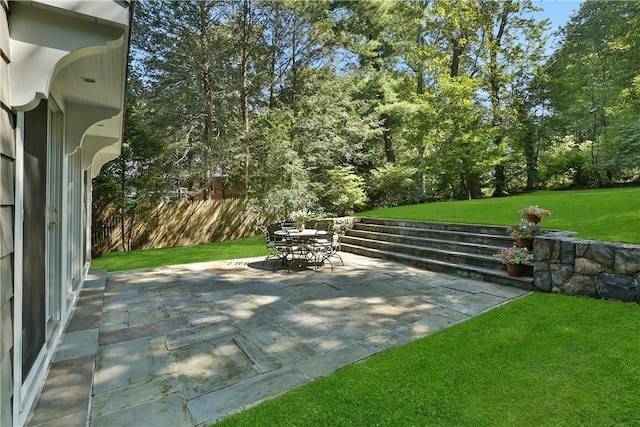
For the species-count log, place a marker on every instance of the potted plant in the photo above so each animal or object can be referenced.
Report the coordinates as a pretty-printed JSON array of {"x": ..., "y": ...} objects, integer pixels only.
[
  {"x": 533, "y": 213},
  {"x": 300, "y": 217},
  {"x": 514, "y": 258},
  {"x": 524, "y": 231}
]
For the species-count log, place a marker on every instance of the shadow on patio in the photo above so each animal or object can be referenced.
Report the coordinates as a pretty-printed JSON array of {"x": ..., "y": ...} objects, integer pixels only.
[{"x": 188, "y": 345}]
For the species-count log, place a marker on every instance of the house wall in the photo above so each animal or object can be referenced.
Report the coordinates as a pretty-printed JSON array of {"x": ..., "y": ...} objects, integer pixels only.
[
  {"x": 7, "y": 162},
  {"x": 46, "y": 47}
]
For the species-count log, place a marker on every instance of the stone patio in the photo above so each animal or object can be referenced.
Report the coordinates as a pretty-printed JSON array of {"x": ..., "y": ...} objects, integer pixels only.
[{"x": 191, "y": 344}]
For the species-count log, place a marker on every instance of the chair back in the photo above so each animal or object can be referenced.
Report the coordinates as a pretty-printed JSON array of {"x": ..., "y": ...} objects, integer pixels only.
[
  {"x": 265, "y": 231},
  {"x": 288, "y": 226}
]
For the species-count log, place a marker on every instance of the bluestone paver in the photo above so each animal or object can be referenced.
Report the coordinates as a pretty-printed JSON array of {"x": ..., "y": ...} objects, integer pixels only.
[{"x": 191, "y": 344}]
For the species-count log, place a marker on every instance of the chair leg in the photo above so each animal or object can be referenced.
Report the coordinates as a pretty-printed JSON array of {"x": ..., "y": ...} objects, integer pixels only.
[
  {"x": 317, "y": 259},
  {"x": 338, "y": 255}
]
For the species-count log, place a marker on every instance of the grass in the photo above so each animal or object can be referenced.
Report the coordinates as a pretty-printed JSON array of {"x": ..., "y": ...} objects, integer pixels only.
[
  {"x": 130, "y": 260},
  {"x": 602, "y": 214},
  {"x": 543, "y": 360}
]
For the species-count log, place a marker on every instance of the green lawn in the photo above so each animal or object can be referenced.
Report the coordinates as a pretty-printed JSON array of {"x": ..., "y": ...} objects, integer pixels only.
[
  {"x": 603, "y": 214},
  {"x": 543, "y": 360},
  {"x": 130, "y": 260},
  {"x": 607, "y": 214}
]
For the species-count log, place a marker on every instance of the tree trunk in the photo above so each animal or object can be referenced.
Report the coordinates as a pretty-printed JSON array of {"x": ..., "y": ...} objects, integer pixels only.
[
  {"x": 531, "y": 159},
  {"x": 456, "y": 52},
  {"x": 474, "y": 190},
  {"x": 389, "y": 151},
  {"x": 244, "y": 93},
  {"x": 494, "y": 87}
]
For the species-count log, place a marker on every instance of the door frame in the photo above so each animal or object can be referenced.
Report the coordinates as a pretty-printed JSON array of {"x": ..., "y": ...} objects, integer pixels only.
[
  {"x": 24, "y": 392},
  {"x": 53, "y": 245}
]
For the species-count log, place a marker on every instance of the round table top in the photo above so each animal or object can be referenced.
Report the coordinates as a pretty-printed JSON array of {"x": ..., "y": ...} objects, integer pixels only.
[{"x": 307, "y": 232}]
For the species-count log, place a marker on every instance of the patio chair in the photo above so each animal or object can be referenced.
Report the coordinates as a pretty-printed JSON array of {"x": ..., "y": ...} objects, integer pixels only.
[
  {"x": 288, "y": 251},
  {"x": 272, "y": 250},
  {"x": 335, "y": 233},
  {"x": 322, "y": 249}
]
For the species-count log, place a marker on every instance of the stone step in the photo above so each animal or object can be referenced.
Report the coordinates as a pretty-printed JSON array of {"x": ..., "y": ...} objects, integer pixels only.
[
  {"x": 497, "y": 230},
  {"x": 474, "y": 237},
  {"x": 463, "y": 249},
  {"x": 464, "y": 270},
  {"x": 476, "y": 246},
  {"x": 448, "y": 255}
]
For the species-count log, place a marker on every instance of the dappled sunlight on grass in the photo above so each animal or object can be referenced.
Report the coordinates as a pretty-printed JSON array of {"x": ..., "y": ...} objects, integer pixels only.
[{"x": 130, "y": 260}]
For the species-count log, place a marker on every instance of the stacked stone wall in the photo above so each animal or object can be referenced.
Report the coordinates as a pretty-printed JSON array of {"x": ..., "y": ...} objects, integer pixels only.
[{"x": 591, "y": 268}]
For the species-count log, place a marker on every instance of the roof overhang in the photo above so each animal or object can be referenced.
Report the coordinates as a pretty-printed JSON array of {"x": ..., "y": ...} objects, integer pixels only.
[{"x": 76, "y": 53}]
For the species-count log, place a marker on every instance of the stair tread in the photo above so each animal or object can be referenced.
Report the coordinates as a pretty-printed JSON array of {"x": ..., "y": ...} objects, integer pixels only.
[
  {"x": 453, "y": 248},
  {"x": 427, "y": 248},
  {"x": 497, "y": 228},
  {"x": 472, "y": 233},
  {"x": 430, "y": 239},
  {"x": 484, "y": 270}
]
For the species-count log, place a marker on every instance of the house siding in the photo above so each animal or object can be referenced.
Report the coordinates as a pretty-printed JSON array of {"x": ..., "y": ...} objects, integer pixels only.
[{"x": 7, "y": 199}]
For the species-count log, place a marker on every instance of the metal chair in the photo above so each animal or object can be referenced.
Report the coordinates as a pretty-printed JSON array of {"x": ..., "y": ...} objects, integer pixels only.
[
  {"x": 317, "y": 250},
  {"x": 272, "y": 250},
  {"x": 336, "y": 231},
  {"x": 288, "y": 251}
]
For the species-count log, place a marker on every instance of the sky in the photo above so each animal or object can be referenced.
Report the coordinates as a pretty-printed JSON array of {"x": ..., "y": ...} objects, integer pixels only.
[{"x": 558, "y": 12}]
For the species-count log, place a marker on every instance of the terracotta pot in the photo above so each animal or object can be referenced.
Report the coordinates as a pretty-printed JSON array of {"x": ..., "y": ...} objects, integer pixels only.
[
  {"x": 534, "y": 219},
  {"x": 300, "y": 226},
  {"x": 526, "y": 243},
  {"x": 514, "y": 270}
]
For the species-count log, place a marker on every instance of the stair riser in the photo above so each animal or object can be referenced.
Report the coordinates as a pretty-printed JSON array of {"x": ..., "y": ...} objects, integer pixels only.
[
  {"x": 525, "y": 283},
  {"x": 475, "y": 238},
  {"x": 464, "y": 258},
  {"x": 456, "y": 246},
  {"x": 464, "y": 228}
]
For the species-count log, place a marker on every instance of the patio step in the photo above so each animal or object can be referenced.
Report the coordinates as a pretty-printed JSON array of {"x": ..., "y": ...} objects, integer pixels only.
[{"x": 462, "y": 249}]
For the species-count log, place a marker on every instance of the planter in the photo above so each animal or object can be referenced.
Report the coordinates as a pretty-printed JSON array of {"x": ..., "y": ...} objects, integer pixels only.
[
  {"x": 526, "y": 243},
  {"x": 300, "y": 226},
  {"x": 533, "y": 218},
  {"x": 514, "y": 270}
]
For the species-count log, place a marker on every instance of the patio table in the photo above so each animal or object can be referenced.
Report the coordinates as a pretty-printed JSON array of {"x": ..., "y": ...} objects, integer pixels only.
[{"x": 298, "y": 239}]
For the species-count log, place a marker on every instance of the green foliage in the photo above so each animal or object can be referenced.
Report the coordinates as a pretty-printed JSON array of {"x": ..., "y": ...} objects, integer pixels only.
[
  {"x": 269, "y": 96},
  {"x": 459, "y": 148},
  {"x": 562, "y": 165},
  {"x": 592, "y": 87},
  {"x": 392, "y": 185},
  {"x": 343, "y": 191}
]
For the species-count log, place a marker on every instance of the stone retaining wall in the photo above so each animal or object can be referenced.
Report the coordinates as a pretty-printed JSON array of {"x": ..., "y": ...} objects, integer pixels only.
[{"x": 586, "y": 267}]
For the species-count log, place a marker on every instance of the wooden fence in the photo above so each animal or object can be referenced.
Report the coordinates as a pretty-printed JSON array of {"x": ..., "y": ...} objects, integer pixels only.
[{"x": 179, "y": 224}]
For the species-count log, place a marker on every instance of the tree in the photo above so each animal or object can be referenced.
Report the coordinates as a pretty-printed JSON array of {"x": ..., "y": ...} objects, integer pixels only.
[
  {"x": 364, "y": 30},
  {"x": 591, "y": 86},
  {"x": 344, "y": 191},
  {"x": 129, "y": 187}
]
